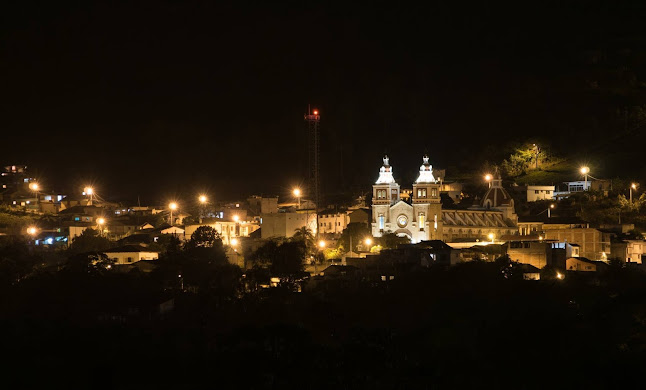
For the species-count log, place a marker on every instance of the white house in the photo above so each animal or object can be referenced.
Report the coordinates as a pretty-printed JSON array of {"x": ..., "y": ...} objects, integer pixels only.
[
  {"x": 129, "y": 254},
  {"x": 535, "y": 193}
]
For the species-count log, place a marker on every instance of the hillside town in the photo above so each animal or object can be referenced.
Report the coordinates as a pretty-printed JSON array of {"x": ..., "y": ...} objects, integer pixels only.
[{"x": 378, "y": 235}]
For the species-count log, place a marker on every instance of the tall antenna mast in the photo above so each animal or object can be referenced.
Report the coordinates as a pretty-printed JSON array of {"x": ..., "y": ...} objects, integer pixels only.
[{"x": 313, "y": 120}]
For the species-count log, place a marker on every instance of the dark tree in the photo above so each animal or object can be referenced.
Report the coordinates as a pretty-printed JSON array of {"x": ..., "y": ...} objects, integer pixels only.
[
  {"x": 90, "y": 240},
  {"x": 204, "y": 237},
  {"x": 358, "y": 232}
]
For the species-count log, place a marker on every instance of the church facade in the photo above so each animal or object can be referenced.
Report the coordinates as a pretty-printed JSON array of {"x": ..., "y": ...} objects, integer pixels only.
[{"x": 422, "y": 218}]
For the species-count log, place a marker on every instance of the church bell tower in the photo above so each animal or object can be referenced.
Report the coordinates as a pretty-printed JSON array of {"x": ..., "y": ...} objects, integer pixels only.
[
  {"x": 427, "y": 209},
  {"x": 385, "y": 193}
]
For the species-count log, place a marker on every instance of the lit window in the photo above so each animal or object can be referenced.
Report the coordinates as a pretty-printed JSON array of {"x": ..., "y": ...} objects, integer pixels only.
[{"x": 381, "y": 222}]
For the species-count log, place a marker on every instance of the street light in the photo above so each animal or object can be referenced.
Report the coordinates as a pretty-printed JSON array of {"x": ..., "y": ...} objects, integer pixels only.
[
  {"x": 89, "y": 191},
  {"x": 297, "y": 194},
  {"x": 491, "y": 237},
  {"x": 100, "y": 222},
  {"x": 368, "y": 241},
  {"x": 549, "y": 210},
  {"x": 203, "y": 199},
  {"x": 488, "y": 177},
  {"x": 633, "y": 186},
  {"x": 322, "y": 244},
  {"x": 584, "y": 172},
  {"x": 35, "y": 187},
  {"x": 172, "y": 206},
  {"x": 32, "y": 230}
]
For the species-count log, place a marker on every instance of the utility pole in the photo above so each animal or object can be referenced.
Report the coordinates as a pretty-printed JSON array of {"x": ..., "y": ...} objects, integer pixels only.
[{"x": 313, "y": 120}]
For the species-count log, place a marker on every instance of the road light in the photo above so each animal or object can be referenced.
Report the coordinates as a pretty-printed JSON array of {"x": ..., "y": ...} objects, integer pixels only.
[
  {"x": 100, "y": 221},
  {"x": 633, "y": 186},
  {"x": 172, "y": 206},
  {"x": 322, "y": 244},
  {"x": 32, "y": 230},
  {"x": 89, "y": 192},
  {"x": 549, "y": 210},
  {"x": 368, "y": 241},
  {"x": 585, "y": 171},
  {"x": 234, "y": 242},
  {"x": 559, "y": 276},
  {"x": 491, "y": 237},
  {"x": 297, "y": 194},
  {"x": 203, "y": 199},
  {"x": 488, "y": 177},
  {"x": 35, "y": 188}
]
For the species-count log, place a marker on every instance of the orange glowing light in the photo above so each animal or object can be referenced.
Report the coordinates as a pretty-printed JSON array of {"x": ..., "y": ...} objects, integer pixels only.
[{"x": 316, "y": 112}]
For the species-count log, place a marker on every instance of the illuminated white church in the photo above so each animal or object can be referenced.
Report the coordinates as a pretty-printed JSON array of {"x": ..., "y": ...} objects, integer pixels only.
[{"x": 424, "y": 219}]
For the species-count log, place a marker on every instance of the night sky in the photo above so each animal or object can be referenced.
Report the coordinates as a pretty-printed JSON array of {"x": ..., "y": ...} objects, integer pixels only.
[{"x": 160, "y": 99}]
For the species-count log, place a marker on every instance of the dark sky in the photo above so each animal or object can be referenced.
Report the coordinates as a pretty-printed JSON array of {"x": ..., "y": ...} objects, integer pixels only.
[{"x": 165, "y": 98}]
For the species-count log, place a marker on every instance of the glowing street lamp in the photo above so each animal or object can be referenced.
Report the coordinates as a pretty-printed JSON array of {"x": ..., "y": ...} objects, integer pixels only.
[
  {"x": 234, "y": 242},
  {"x": 35, "y": 188},
  {"x": 172, "y": 206},
  {"x": 32, "y": 230},
  {"x": 368, "y": 241},
  {"x": 549, "y": 210},
  {"x": 585, "y": 171},
  {"x": 633, "y": 186},
  {"x": 100, "y": 221},
  {"x": 559, "y": 276},
  {"x": 203, "y": 199},
  {"x": 488, "y": 177},
  {"x": 297, "y": 194},
  {"x": 491, "y": 237},
  {"x": 89, "y": 192},
  {"x": 322, "y": 244}
]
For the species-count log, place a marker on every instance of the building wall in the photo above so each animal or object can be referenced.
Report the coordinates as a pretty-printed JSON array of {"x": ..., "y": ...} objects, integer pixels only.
[
  {"x": 333, "y": 223},
  {"x": 593, "y": 244},
  {"x": 285, "y": 224},
  {"x": 132, "y": 257},
  {"x": 535, "y": 193},
  {"x": 538, "y": 254},
  {"x": 629, "y": 250},
  {"x": 574, "y": 264},
  {"x": 226, "y": 229}
]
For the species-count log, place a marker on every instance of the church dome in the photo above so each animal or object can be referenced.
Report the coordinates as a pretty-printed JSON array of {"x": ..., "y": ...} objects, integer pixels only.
[{"x": 497, "y": 196}]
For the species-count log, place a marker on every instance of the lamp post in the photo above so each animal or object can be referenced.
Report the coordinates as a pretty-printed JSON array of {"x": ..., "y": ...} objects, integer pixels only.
[
  {"x": 491, "y": 237},
  {"x": 172, "y": 206},
  {"x": 89, "y": 192},
  {"x": 584, "y": 172},
  {"x": 297, "y": 194},
  {"x": 100, "y": 222},
  {"x": 488, "y": 177},
  {"x": 35, "y": 188},
  {"x": 633, "y": 186},
  {"x": 236, "y": 219},
  {"x": 203, "y": 201},
  {"x": 549, "y": 211},
  {"x": 536, "y": 151}
]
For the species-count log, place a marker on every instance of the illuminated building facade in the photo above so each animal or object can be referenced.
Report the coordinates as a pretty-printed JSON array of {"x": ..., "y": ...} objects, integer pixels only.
[{"x": 423, "y": 219}]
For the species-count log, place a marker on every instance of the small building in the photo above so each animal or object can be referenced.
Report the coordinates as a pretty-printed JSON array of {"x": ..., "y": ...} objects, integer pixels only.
[
  {"x": 629, "y": 251},
  {"x": 284, "y": 224},
  {"x": 535, "y": 193},
  {"x": 331, "y": 222},
  {"x": 584, "y": 264},
  {"x": 129, "y": 254}
]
